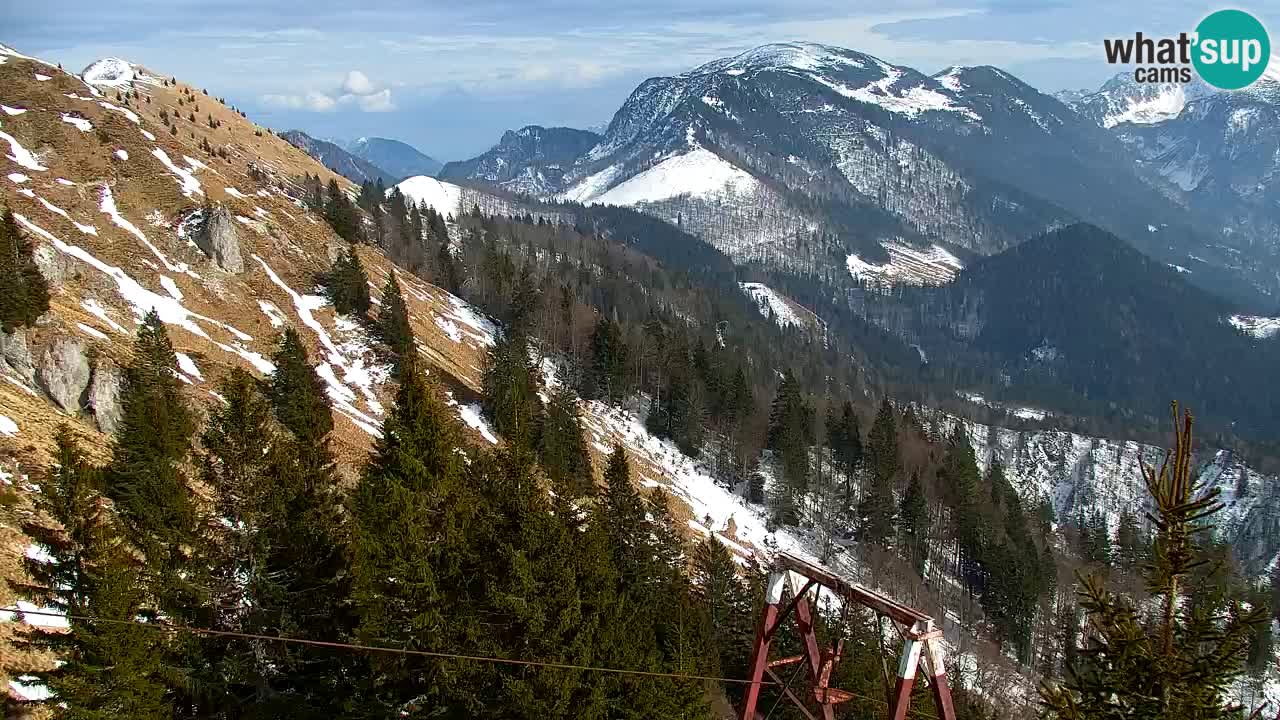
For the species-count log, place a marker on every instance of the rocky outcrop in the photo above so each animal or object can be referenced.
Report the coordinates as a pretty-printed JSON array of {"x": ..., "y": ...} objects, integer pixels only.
[
  {"x": 56, "y": 267},
  {"x": 218, "y": 238},
  {"x": 16, "y": 354},
  {"x": 63, "y": 372},
  {"x": 104, "y": 395}
]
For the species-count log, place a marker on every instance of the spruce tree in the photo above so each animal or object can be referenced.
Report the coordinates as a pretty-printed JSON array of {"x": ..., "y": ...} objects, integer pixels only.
[
  {"x": 563, "y": 450},
  {"x": 412, "y": 561},
  {"x": 393, "y": 326},
  {"x": 108, "y": 669},
  {"x": 1182, "y": 662},
  {"x": 604, "y": 377},
  {"x": 510, "y": 392},
  {"x": 278, "y": 562},
  {"x": 145, "y": 477},
  {"x": 26, "y": 294},
  {"x": 298, "y": 394},
  {"x": 877, "y": 507},
  {"x": 341, "y": 213},
  {"x": 913, "y": 523},
  {"x": 728, "y": 605},
  {"x": 348, "y": 285}
]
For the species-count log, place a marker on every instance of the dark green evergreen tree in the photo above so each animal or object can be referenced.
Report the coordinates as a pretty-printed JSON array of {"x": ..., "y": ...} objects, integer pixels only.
[
  {"x": 604, "y": 376},
  {"x": 26, "y": 294},
  {"x": 298, "y": 394},
  {"x": 563, "y": 452},
  {"x": 1182, "y": 662},
  {"x": 913, "y": 523},
  {"x": 108, "y": 669},
  {"x": 341, "y": 213},
  {"x": 393, "y": 326},
  {"x": 510, "y": 392},
  {"x": 412, "y": 562},
  {"x": 278, "y": 564},
  {"x": 146, "y": 476},
  {"x": 877, "y": 506},
  {"x": 347, "y": 285}
]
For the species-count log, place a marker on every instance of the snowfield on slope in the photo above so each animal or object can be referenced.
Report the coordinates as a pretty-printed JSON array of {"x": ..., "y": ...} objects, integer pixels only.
[
  {"x": 909, "y": 265},
  {"x": 1259, "y": 327},
  {"x": 697, "y": 173},
  {"x": 442, "y": 196},
  {"x": 778, "y": 306}
]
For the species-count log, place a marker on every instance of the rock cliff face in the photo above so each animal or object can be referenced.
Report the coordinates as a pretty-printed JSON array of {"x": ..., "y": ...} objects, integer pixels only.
[
  {"x": 104, "y": 395},
  {"x": 63, "y": 372},
  {"x": 218, "y": 238},
  {"x": 1082, "y": 473}
]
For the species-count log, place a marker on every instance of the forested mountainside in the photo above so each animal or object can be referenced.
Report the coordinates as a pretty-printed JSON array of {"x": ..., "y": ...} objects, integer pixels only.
[
  {"x": 540, "y": 433},
  {"x": 336, "y": 158},
  {"x": 801, "y": 145},
  {"x": 400, "y": 159},
  {"x": 1211, "y": 151},
  {"x": 531, "y": 160}
]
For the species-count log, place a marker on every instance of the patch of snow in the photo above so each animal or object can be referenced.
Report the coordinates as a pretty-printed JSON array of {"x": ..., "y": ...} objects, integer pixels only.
[
  {"x": 122, "y": 154},
  {"x": 95, "y": 308},
  {"x": 129, "y": 114},
  {"x": 148, "y": 135},
  {"x": 48, "y": 617},
  {"x": 474, "y": 418},
  {"x": 18, "y": 178},
  {"x": 591, "y": 186},
  {"x": 771, "y": 303},
  {"x": 445, "y": 198},
  {"x": 273, "y": 313},
  {"x": 950, "y": 79},
  {"x": 109, "y": 72},
  {"x": 188, "y": 366},
  {"x": 12, "y": 110},
  {"x": 235, "y": 193},
  {"x": 64, "y": 181},
  {"x": 698, "y": 173},
  {"x": 29, "y": 688},
  {"x": 81, "y": 124},
  {"x": 108, "y": 206},
  {"x": 8, "y": 427},
  {"x": 1259, "y": 327},
  {"x": 92, "y": 331},
  {"x": 42, "y": 78},
  {"x": 187, "y": 181},
  {"x": 86, "y": 229},
  {"x": 21, "y": 155},
  {"x": 908, "y": 265},
  {"x": 171, "y": 287}
]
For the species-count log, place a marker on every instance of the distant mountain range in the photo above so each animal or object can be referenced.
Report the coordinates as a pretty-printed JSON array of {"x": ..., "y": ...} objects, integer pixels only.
[
  {"x": 1216, "y": 153},
  {"x": 366, "y": 158},
  {"x": 792, "y": 154}
]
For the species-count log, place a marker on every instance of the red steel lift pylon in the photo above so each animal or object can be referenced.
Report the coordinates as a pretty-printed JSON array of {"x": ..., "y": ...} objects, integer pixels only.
[{"x": 918, "y": 630}]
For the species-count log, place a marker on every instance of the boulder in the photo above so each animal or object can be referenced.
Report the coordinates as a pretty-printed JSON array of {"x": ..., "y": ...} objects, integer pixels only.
[
  {"x": 64, "y": 372},
  {"x": 16, "y": 354},
  {"x": 104, "y": 395},
  {"x": 218, "y": 238}
]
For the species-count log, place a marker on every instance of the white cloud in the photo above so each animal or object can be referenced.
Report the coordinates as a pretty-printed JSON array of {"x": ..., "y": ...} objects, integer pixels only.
[
  {"x": 377, "y": 102},
  {"x": 313, "y": 101},
  {"x": 357, "y": 83},
  {"x": 357, "y": 91}
]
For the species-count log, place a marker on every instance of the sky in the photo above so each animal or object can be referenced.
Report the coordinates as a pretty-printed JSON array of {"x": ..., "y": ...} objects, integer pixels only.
[{"x": 450, "y": 77}]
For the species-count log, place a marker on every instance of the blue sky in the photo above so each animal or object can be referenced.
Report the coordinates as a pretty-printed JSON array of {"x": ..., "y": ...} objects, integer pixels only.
[{"x": 450, "y": 77}]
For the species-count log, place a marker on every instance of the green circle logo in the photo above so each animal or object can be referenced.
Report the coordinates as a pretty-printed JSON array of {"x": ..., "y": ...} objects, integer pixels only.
[{"x": 1231, "y": 49}]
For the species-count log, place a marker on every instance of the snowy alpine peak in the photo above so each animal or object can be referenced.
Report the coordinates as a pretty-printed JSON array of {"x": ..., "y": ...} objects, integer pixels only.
[
  {"x": 110, "y": 72},
  {"x": 1124, "y": 100}
]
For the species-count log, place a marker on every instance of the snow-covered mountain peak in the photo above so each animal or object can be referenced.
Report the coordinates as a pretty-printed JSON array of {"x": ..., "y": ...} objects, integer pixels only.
[
  {"x": 110, "y": 72},
  {"x": 801, "y": 56}
]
